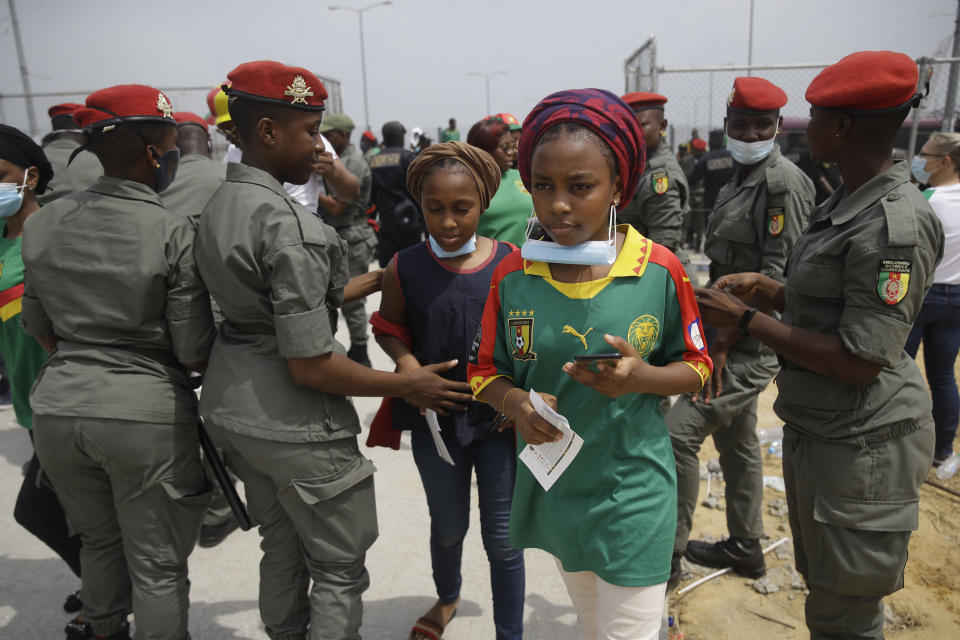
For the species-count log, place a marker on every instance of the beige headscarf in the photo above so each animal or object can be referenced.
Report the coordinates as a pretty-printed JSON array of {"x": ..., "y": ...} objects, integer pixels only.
[{"x": 481, "y": 165}]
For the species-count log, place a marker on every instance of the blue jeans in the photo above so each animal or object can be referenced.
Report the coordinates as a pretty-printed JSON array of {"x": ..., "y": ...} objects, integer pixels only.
[
  {"x": 448, "y": 497},
  {"x": 938, "y": 325}
]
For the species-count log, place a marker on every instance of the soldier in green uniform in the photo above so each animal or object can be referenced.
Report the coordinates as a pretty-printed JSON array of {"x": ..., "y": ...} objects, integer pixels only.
[
  {"x": 198, "y": 175},
  {"x": 662, "y": 199},
  {"x": 274, "y": 393},
  {"x": 756, "y": 219},
  {"x": 859, "y": 436},
  {"x": 58, "y": 146},
  {"x": 350, "y": 221},
  {"x": 112, "y": 292}
]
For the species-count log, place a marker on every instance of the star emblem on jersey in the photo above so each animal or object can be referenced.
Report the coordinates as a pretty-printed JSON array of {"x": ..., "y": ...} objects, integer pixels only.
[
  {"x": 893, "y": 280},
  {"x": 163, "y": 106},
  {"x": 643, "y": 334},
  {"x": 775, "y": 219},
  {"x": 521, "y": 329},
  {"x": 299, "y": 91},
  {"x": 660, "y": 182},
  {"x": 582, "y": 336}
]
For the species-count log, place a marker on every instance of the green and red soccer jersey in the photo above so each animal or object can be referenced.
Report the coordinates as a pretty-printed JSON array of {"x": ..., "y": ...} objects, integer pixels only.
[
  {"x": 22, "y": 355},
  {"x": 614, "y": 510}
]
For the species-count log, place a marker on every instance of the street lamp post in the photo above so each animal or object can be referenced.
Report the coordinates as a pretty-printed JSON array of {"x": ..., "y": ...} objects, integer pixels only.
[
  {"x": 363, "y": 52},
  {"x": 486, "y": 78}
]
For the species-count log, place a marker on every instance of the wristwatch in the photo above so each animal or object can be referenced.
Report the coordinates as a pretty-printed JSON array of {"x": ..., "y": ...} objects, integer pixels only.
[{"x": 745, "y": 320}]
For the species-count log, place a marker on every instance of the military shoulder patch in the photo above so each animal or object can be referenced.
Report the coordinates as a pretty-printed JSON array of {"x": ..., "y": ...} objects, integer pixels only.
[
  {"x": 893, "y": 280},
  {"x": 659, "y": 182},
  {"x": 776, "y": 217}
]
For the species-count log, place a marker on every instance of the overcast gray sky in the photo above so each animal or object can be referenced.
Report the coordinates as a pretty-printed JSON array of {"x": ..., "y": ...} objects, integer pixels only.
[{"x": 420, "y": 51}]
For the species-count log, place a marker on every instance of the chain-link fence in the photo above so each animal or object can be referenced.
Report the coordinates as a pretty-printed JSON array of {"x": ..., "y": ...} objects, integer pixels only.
[{"x": 698, "y": 95}]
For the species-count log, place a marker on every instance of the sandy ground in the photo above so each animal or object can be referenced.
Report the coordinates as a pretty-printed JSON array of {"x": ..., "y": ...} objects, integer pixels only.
[{"x": 224, "y": 579}]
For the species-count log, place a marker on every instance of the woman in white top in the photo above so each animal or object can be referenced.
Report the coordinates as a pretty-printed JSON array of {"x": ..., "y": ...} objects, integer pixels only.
[{"x": 938, "y": 325}]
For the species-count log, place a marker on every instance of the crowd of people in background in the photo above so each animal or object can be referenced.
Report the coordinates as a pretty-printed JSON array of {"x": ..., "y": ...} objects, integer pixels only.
[{"x": 544, "y": 262}]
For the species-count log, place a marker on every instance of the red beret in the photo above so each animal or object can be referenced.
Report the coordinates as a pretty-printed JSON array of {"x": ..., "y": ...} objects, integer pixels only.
[
  {"x": 369, "y": 135},
  {"x": 186, "y": 117},
  {"x": 639, "y": 100},
  {"x": 699, "y": 144},
  {"x": 866, "y": 81},
  {"x": 755, "y": 94},
  {"x": 124, "y": 102},
  {"x": 63, "y": 109},
  {"x": 276, "y": 83}
]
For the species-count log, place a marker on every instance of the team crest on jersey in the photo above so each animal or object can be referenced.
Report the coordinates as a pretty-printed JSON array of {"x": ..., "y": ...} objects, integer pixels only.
[
  {"x": 893, "y": 280},
  {"x": 660, "y": 182},
  {"x": 521, "y": 332},
  {"x": 775, "y": 220},
  {"x": 643, "y": 334}
]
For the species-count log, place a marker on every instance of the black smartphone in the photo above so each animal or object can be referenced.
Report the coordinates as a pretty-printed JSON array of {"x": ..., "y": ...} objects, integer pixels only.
[{"x": 595, "y": 357}]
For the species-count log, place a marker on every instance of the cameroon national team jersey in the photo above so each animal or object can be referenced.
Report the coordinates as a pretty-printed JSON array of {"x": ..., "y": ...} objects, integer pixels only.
[
  {"x": 23, "y": 356},
  {"x": 614, "y": 510}
]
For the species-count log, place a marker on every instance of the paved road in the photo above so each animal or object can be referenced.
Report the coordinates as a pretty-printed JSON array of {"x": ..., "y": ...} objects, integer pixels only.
[{"x": 34, "y": 582}]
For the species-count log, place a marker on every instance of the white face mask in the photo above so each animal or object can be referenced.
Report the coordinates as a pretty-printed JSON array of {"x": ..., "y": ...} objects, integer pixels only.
[
  {"x": 468, "y": 247},
  {"x": 589, "y": 252},
  {"x": 750, "y": 153}
]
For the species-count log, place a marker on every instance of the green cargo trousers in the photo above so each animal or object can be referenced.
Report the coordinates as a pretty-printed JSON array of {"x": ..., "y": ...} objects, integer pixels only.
[
  {"x": 359, "y": 255},
  {"x": 135, "y": 492},
  {"x": 853, "y": 506},
  {"x": 314, "y": 504},
  {"x": 732, "y": 421}
]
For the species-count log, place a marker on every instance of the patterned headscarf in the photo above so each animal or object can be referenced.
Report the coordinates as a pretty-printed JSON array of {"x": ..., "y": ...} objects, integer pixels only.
[
  {"x": 603, "y": 113},
  {"x": 482, "y": 166}
]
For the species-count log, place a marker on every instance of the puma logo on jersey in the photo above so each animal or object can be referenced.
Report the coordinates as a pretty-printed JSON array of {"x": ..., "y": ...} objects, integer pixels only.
[{"x": 583, "y": 336}]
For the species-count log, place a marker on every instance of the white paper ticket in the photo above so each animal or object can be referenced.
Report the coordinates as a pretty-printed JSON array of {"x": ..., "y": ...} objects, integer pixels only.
[
  {"x": 549, "y": 460},
  {"x": 437, "y": 440}
]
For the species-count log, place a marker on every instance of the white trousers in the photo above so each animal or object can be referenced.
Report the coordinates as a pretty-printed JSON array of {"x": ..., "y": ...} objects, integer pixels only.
[{"x": 610, "y": 612}]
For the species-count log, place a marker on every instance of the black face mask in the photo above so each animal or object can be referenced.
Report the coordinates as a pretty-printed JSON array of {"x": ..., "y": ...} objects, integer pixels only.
[{"x": 166, "y": 169}]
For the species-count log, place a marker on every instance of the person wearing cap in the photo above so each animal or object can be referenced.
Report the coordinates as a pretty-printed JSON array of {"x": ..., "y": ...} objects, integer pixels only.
[
  {"x": 58, "y": 145},
  {"x": 858, "y": 435},
  {"x": 275, "y": 393},
  {"x": 714, "y": 169},
  {"x": 401, "y": 223},
  {"x": 24, "y": 173},
  {"x": 368, "y": 145},
  {"x": 515, "y": 129},
  {"x": 350, "y": 221},
  {"x": 662, "y": 199},
  {"x": 198, "y": 175},
  {"x": 451, "y": 133},
  {"x": 755, "y": 221},
  {"x": 113, "y": 294},
  {"x": 697, "y": 219}
]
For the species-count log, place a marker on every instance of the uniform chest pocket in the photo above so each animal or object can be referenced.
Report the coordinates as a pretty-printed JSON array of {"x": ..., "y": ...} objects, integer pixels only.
[
  {"x": 734, "y": 244},
  {"x": 738, "y": 230},
  {"x": 817, "y": 279}
]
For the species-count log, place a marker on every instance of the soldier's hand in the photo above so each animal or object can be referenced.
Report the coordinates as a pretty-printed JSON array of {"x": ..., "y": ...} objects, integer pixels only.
[
  {"x": 324, "y": 164},
  {"x": 714, "y": 386},
  {"x": 757, "y": 288},
  {"x": 428, "y": 390},
  {"x": 719, "y": 308}
]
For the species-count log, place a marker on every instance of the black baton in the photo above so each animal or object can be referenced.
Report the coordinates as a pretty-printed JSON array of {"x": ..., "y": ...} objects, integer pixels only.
[{"x": 220, "y": 471}]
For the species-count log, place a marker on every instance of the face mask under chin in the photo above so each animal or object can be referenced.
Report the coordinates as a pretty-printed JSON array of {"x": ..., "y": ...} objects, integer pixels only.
[
  {"x": 750, "y": 153},
  {"x": 590, "y": 252}
]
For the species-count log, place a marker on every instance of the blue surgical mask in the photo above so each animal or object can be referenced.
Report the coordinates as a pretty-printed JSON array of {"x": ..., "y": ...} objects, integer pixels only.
[
  {"x": 919, "y": 168},
  {"x": 750, "y": 153},
  {"x": 167, "y": 169},
  {"x": 468, "y": 247},
  {"x": 589, "y": 252},
  {"x": 11, "y": 197}
]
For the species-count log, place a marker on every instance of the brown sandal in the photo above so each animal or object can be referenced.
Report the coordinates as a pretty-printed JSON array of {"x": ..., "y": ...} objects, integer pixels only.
[{"x": 429, "y": 628}]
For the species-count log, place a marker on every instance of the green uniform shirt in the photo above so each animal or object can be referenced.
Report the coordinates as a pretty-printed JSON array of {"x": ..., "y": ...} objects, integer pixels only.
[
  {"x": 80, "y": 175},
  {"x": 22, "y": 355},
  {"x": 449, "y": 134},
  {"x": 614, "y": 510},
  {"x": 352, "y": 223},
  {"x": 661, "y": 200},
  {"x": 276, "y": 271},
  {"x": 860, "y": 272},
  {"x": 506, "y": 217},
  {"x": 110, "y": 271},
  {"x": 198, "y": 178}
]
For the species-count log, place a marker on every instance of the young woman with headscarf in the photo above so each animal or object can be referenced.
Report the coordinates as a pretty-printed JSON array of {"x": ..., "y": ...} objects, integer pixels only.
[
  {"x": 433, "y": 295},
  {"x": 610, "y": 518}
]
